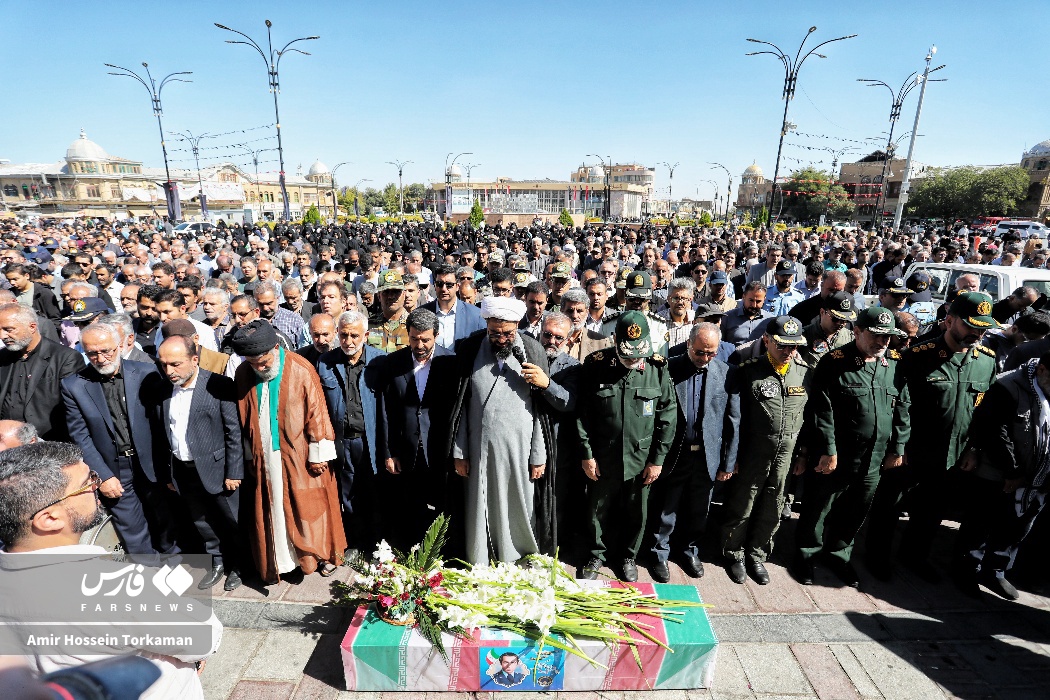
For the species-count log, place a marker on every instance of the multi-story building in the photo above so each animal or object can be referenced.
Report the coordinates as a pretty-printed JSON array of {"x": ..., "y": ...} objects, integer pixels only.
[
  {"x": 863, "y": 181},
  {"x": 89, "y": 181},
  {"x": 1036, "y": 161},
  {"x": 754, "y": 191}
]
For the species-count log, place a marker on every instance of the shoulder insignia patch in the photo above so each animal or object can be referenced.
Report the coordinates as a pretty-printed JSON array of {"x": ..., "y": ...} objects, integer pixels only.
[
  {"x": 749, "y": 361},
  {"x": 837, "y": 354},
  {"x": 595, "y": 356},
  {"x": 658, "y": 360},
  {"x": 986, "y": 351},
  {"x": 893, "y": 354}
]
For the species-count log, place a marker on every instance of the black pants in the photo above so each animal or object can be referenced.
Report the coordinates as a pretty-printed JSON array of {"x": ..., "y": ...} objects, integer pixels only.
[
  {"x": 420, "y": 496},
  {"x": 995, "y": 524},
  {"x": 214, "y": 515},
  {"x": 681, "y": 502},
  {"x": 141, "y": 516},
  {"x": 926, "y": 493},
  {"x": 359, "y": 496}
]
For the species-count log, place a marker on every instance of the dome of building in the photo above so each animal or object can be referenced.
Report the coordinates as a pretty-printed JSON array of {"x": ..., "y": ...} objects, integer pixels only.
[
  {"x": 455, "y": 171},
  {"x": 754, "y": 170},
  {"x": 1040, "y": 149},
  {"x": 318, "y": 168},
  {"x": 84, "y": 149}
]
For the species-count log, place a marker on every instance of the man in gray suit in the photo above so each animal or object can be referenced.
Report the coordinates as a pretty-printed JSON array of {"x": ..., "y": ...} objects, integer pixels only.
[
  {"x": 704, "y": 450},
  {"x": 198, "y": 412}
]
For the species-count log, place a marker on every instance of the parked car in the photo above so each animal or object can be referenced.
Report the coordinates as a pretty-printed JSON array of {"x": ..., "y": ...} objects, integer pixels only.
[
  {"x": 193, "y": 227},
  {"x": 996, "y": 280}
]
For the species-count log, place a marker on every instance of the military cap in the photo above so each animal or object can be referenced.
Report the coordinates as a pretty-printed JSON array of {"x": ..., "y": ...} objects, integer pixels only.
[
  {"x": 390, "y": 279},
  {"x": 919, "y": 282},
  {"x": 840, "y": 305},
  {"x": 50, "y": 243},
  {"x": 86, "y": 309},
  {"x": 639, "y": 284},
  {"x": 708, "y": 310},
  {"x": 786, "y": 330},
  {"x": 895, "y": 285},
  {"x": 974, "y": 309},
  {"x": 521, "y": 279},
  {"x": 496, "y": 256},
  {"x": 562, "y": 270},
  {"x": 785, "y": 267},
  {"x": 520, "y": 266},
  {"x": 621, "y": 277},
  {"x": 632, "y": 335},
  {"x": 878, "y": 320}
]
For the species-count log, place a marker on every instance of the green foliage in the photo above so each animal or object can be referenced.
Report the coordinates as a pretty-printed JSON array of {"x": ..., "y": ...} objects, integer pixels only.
[
  {"x": 476, "y": 215},
  {"x": 415, "y": 194},
  {"x": 391, "y": 203},
  {"x": 312, "y": 216},
  {"x": 565, "y": 219},
  {"x": 705, "y": 218},
  {"x": 809, "y": 193},
  {"x": 966, "y": 193}
]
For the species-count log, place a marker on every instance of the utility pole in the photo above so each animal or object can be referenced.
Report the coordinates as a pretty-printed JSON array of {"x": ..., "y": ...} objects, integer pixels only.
[
  {"x": 906, "y": 183},
  {"x": 670, "y": 181},
  {"x": 400, "y": 165}
]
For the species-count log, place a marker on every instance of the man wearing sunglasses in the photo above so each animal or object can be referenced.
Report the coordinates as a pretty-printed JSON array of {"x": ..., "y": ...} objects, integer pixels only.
[{"x": 457, "y": 319}]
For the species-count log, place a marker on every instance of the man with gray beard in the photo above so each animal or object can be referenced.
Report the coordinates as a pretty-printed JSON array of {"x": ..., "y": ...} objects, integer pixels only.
[
  {"x": 31, "y": 368},
  {"x": 285, "y": 422}
]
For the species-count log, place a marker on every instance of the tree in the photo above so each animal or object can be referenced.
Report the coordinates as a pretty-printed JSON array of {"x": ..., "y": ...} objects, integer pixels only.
[
  {"x": 565, "y": 219},
  {"x": 415, "y": 194},
  {"x": 312, "y": 216},
  {"x": 476, "y": 215},
  {"x": 967, "y": 192},
  {"x": 391, "y": 201},
  {"x": 705, "y": 218},
  {"x": 373, "y": 200},
  {"x": 809, "y": 193}
]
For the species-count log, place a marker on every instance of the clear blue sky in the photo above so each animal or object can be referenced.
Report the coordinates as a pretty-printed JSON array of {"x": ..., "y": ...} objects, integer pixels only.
[{"x": 530, "y": 87}]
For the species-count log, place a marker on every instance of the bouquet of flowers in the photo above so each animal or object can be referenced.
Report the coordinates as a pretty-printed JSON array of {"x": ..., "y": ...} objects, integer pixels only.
[{"x": 534, "y": 598}]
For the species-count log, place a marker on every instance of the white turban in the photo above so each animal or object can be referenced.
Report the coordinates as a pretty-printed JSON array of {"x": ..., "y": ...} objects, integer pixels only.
[{"x": 502, "y": 308}]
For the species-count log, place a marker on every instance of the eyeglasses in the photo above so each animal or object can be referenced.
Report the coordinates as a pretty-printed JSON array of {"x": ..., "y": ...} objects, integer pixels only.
[
  {"x": 702, "y": 353},
  {"x": 94, "y": 481},
  {"x": 698, "y": 271},
  {"x": 551, "y": 336},
  {"x": 504, "y": 334},
  {"x": 445, "y": 285},
  {"x": 100, "y": 353}
]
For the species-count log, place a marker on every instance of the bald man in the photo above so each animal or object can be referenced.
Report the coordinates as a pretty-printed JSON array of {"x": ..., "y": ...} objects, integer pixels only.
[{"x": 322, "y": 338}]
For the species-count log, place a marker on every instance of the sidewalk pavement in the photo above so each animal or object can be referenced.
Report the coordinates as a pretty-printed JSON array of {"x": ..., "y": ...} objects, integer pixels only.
[{"x": 902, "y": 640}]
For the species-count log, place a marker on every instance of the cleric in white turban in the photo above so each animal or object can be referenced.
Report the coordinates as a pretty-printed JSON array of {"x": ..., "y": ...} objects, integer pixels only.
[
  {"x": 501, "y": 438},
  {"x": 502, "y": 309}
]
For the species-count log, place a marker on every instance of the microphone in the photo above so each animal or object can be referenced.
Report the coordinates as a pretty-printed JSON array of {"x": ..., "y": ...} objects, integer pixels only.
[{"x": 519, "y": 354}]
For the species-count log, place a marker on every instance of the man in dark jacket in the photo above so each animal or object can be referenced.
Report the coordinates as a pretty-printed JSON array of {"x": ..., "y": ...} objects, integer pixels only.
[{"x": 31, "y": 369}]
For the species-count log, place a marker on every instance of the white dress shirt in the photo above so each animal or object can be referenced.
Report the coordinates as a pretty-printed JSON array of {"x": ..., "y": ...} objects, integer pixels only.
[
  {"x": 447, "y": 337},
  {"x": 179, "y": 419}
]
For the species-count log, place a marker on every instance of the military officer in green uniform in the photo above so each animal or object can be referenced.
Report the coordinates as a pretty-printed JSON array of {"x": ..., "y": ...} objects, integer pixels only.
[
  {"x": 773, "y": 389},
  {"x": 946, "y": 378},
  {"x": 639, "y": 294},
  {"x": 830, "y": 329},
  {"x": 857, "y": 418},
  {"x": 389, "y": 331},
  {"x": 626, "y": 423}
]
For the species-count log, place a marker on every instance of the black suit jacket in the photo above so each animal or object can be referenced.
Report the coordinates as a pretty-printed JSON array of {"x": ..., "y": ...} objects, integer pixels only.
[
  {"x": 213, "y": 433},
  {"x": 45, "y": 303},
  {"x": 90, "y": 424},
  {"x": 43, "y": 409},
  {"x": 398, "y": 415}
]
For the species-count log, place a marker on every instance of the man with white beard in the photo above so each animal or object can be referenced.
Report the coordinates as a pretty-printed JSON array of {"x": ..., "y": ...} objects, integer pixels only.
[
  {"x": 501, "y": 436},
  {"x": 581, "y": 340},
  {"x": 284, "y": 420}
]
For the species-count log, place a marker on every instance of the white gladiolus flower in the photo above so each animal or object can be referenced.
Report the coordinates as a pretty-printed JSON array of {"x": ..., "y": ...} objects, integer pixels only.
[{"x": 383, "y": 553}]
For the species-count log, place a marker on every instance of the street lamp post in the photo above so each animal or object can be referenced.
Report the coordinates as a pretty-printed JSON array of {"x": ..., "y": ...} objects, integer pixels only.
[
  {"x": 714, "y": 201},
  {"x": 171, "y": 191},
  {"x": 729, "y": 187},
  {"x": 670, "y": 179},
  {"x": 607, "y": 205},
  {"x": 834, "y": 178},
  {"x": 897, "y": 101},
  {"x": 905, "y": 183},
  {"x": 469, "y": 167},
  {"x": 400, "y": 165},
  {"x": 335, "y": 193},
  {"x": 273, "y": 63},
  {"x": 448, "y": 183},
  {"x": 791, "y": 69},
  {"x": 255, "y": 161},
  {"x": 357, "y": 195},
  {"x": 194, "y": 142}
]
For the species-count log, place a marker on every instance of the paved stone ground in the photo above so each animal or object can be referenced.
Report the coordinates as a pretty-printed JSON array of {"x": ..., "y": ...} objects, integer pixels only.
[{"x": 906, "y": 639}]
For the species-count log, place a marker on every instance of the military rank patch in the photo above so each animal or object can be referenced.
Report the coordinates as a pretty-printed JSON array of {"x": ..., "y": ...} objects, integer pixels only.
[
  {"x": 796, "y": 391},
  {"x": 980, "y": 397},
  {"x": 837, "y": 354}
]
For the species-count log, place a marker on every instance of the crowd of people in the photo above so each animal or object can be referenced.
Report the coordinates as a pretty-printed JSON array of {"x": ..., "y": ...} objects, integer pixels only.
[{"x": 284, "y": 398}]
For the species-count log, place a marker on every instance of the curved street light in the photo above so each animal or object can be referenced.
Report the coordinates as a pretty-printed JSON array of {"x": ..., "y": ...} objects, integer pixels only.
[
  {"x": 448, "y": 182},
  {"x": 272, "y": 59},
  {"x": 729, "y": 187},
  {"x": 400, "y": 165},
  {"x": 170, "y": 190},
  {"x": 607, "y": 205},
  {"x": 791, "y": 69},
  {"x": 670, "y": 178},
  {"x": 335, "y": 192},
  {"x": 357, "y": 195}
]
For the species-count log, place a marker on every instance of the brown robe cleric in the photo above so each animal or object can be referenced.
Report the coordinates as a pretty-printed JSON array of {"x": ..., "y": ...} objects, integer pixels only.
[{"x": 311, "y": 504}]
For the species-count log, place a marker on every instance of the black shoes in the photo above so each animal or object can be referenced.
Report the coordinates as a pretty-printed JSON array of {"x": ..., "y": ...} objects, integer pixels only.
[
  {"x": 212, "y": 577},
  {"x": 630, "y": 571},
  {"x": 233, "y": 581},
  {"x": 692, "y": 566},
  {"x": 736, "y": 571},
  {"x": 1000, "y": 586},
  {"x": 590, "y": 571},
  {"x": 845, "y": 571},
  {"x": 802, "y": 571},
  {"x": 758, "y": 572},
  {"x": 660, "y": 572}
]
